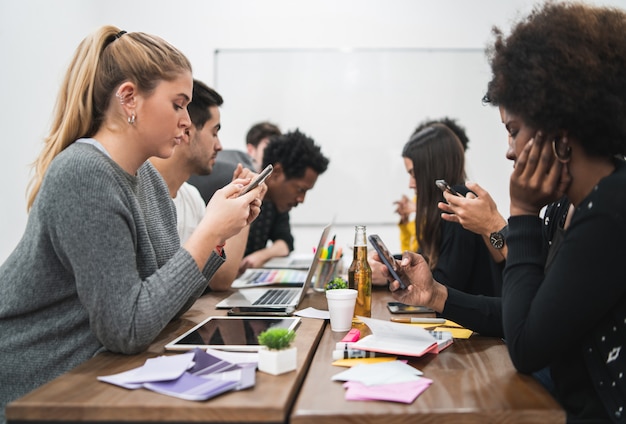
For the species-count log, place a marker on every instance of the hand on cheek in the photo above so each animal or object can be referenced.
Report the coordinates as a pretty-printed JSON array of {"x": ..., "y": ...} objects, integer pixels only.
[{"x": 537, "y": 177}]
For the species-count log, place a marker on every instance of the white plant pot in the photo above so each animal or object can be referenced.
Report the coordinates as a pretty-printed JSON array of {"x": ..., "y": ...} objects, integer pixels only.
[{"x": 277, "y": 361}]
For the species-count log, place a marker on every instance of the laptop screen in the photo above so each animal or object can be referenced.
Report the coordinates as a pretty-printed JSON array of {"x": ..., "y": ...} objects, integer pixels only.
[{"x": 251, "y": 296}]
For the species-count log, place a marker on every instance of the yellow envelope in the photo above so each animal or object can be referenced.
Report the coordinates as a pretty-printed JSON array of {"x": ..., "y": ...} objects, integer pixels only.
[
  {"x": 458, "y": 331},
  {"x": 357, "y": 361}
]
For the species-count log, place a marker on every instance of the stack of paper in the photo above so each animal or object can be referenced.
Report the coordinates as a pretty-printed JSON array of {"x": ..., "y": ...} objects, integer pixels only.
[
  {"x": 195, "y": 375},
  {"x": 393, "y": 381}
]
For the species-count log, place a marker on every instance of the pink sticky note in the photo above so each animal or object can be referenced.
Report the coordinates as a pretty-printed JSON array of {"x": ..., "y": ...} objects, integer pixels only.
[{"x": 405, "y": 392}]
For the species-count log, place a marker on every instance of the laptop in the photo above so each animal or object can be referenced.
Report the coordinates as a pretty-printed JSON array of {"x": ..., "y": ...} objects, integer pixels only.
[
  {"x": 294, "y": 261},
  {"x": 284, "y": 294}
]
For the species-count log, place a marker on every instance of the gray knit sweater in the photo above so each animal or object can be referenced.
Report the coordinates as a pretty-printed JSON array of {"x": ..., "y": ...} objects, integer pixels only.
[{"x": 99, "y": 267}]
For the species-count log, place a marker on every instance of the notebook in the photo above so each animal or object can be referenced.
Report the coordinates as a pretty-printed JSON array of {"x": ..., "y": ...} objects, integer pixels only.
[{"x": 285, "y": 294}]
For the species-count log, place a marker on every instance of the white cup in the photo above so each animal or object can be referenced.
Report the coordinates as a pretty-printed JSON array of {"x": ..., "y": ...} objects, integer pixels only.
[{"x": 341, "y": 307}]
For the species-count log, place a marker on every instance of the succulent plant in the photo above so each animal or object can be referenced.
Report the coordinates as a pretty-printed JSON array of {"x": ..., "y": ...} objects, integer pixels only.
[
  {"x": 336, "y": 283},
  {"x": 276, "y": 338}
]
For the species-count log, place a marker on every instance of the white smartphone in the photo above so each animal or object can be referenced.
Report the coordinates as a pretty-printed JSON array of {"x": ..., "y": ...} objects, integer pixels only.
[
  {"x": 444, "y": 186},
  {"x": 258, "y": 180}
]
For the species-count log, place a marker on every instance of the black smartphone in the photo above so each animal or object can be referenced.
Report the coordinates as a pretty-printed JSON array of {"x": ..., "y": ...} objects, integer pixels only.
[
  {"x": 266, "y": 311},
  {"x": 386, "y": 257},
  {"x": 258, "y": 180},
  {"x": 444, "y": 186},
  {"x": 401, "y": 308}
]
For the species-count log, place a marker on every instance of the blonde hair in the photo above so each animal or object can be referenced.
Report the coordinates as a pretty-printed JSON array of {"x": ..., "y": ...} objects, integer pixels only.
[{"x": 102, "y": 61}]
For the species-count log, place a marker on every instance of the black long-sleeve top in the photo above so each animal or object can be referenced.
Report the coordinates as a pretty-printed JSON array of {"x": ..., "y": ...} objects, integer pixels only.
[
  {"x": 483, "y": 314},
  {"x": 572, "y": 317},
  {"x": 465, "y": 263},
  {"x": 269, "y": 225},
  {"x": 473, "y": 279}
]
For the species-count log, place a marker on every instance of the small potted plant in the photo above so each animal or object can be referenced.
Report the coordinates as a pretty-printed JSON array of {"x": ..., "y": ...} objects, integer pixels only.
[
  {"x": 278, "y": 357},
  {"x": 336, "y": 284}
]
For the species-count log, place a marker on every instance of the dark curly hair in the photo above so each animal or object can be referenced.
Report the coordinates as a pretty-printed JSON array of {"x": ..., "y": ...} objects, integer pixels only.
[
  {"x": 295, "y": 152},
  {"x": 563, "y": 68}
]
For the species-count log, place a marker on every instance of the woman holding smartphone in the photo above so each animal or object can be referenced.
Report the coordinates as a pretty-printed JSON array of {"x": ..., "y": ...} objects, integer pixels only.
[
  {"x": 559, "y": 81},
  {"x": 457, "y": 257},
  {"x": 100, "y": 265}
]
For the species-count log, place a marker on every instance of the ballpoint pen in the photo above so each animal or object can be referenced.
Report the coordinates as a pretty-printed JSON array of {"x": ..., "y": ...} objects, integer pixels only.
[
  {"x": 434, "y": 327},
  {"x": 414, "y": 320}
]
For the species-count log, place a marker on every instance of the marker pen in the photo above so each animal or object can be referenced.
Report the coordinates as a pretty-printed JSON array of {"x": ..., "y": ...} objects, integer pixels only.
[
  {"x": 343, "y": 345},
  {"x": 353, "y": 335},
  {"x": 355, "y": 353}
]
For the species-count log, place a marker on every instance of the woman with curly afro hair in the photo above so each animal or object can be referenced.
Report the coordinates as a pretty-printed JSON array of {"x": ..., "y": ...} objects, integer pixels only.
[{"x": 559, "y": 80}]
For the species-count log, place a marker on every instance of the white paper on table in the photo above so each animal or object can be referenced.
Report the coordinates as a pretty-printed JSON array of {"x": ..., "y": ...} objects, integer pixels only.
[
  {"x": 379, "y": 373},
  {"x": 313, "y": 313}
]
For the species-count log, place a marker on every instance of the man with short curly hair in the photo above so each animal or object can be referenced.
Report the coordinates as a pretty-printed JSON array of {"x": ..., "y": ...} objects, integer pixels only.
[{"x": 297, "y": 162}]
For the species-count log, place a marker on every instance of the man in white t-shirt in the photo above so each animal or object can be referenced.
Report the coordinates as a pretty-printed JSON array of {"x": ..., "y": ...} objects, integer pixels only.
[
  {"x": 189, "y": 210},
  {"x": 196, "y": 156}
]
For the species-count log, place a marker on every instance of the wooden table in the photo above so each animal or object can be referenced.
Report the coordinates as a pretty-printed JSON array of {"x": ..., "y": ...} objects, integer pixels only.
[
  {"x": 474, "y": 381},
  {"x": 78, "y": 396}
]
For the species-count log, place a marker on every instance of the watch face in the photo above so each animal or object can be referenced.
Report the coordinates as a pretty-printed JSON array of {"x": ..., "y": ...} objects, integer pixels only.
[{"x": 496, "y": 240}]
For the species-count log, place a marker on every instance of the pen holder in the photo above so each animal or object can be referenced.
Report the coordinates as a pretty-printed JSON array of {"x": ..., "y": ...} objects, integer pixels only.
[{"x": 325, "y": 272}]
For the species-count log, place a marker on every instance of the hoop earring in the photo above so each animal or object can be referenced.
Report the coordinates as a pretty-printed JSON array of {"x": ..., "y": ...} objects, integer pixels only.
[
  {"x": 131, "y": 118},
  {"x": 563, "y": 158}
]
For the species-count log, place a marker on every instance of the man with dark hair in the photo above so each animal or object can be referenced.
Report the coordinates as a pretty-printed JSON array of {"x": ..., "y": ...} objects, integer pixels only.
[
  {"x": 297, "y": 163},
  {"x": 256, "y": 141},
  {"x": 196, "y": 156},
  {"x": 257, "y": 138}
]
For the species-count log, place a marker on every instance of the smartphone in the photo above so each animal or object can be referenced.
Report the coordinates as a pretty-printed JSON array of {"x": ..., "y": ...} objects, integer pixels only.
[
  {"x": 266, "y": 311},
  {"x": 444, "y": 186},
  {"x": 386, "y": 257},
  {"x": 401, "y": 308},
  {"x": 258, "y": 180}
]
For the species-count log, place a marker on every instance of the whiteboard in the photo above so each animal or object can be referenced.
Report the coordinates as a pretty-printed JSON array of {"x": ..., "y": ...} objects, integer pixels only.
[{"x": 361, "y": 106}]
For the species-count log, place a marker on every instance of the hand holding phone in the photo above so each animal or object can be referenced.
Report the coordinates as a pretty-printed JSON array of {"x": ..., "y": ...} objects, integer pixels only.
[
  {"x": 444, "y": 186},
  {"x": 386, "y": 258},
  {"x": 258, "y": 180}
]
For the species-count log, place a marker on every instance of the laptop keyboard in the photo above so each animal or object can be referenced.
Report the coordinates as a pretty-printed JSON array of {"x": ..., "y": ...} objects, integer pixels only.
[
  {"x": 276, "y": 297},
  {"x": 273, "y": 276}
]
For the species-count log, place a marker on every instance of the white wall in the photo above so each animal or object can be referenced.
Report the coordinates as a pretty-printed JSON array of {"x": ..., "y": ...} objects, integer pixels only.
[{"x": 38, "y": 37}]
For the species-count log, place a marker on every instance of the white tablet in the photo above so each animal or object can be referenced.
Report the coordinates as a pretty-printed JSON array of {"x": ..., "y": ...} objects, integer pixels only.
[{"x": 235, "y": 333}]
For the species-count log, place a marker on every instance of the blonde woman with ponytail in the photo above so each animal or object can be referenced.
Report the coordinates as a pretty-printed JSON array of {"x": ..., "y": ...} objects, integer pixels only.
[{"x": 100, "y": 266}]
